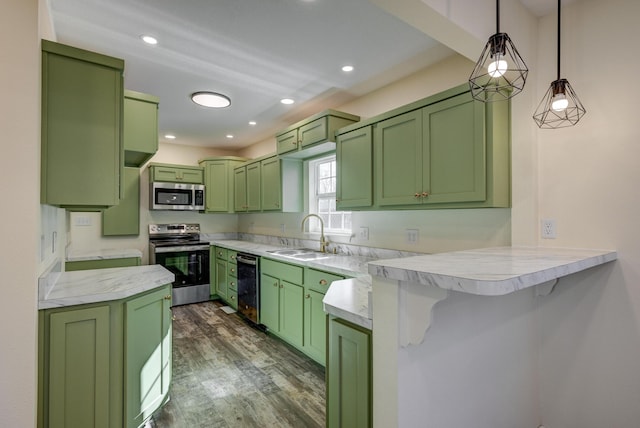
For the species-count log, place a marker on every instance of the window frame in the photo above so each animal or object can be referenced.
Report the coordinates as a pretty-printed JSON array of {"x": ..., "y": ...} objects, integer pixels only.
[{"x": 313, "y": 198}]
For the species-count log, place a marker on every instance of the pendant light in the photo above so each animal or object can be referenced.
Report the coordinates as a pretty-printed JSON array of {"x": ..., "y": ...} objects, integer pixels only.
[
  {"x": 560, "y": 106},
  {"x": 500, "y": 73}
]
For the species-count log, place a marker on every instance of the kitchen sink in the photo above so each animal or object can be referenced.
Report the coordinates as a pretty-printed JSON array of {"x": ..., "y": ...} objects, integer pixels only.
[{"x": 300, "y": 253}]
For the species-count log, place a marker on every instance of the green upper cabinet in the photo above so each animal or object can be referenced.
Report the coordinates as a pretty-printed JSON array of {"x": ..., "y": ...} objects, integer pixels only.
[
  {"x": 176, "y": 173},
  {"x": 354, "y": 160},
  {"x": 314, "y": 135},
  {"x": 140, "y": 127},
  {"x": 218, "y": 180},
  {"x": 247, "y": 180},
  {"x": 398, "y": 154},
  {"x": 82, "y": 109},
  {"x": 124, "y": 218},
  {"x": 445, "y": 151},
  {"x": 281, "y": 184}
]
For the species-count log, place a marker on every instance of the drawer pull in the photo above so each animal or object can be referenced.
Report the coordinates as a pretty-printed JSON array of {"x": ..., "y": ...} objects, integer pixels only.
[
  {"x": 232, "y": 270},
  {"x": 233, "y": 297},
  {"x": 275, "y": 284},
  {"x": 323, "y": 282},
  {"x": 308, "y": 296},
  {"x": 232, "y": 284},
  {"x": 167, "y": 297}
]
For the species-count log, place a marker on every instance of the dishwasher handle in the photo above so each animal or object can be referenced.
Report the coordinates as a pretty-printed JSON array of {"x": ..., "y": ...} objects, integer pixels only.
[{"x": 246, "y": 259}]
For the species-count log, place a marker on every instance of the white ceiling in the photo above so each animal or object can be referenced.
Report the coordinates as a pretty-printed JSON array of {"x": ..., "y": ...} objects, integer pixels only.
[{"x": 254, "y": 51}]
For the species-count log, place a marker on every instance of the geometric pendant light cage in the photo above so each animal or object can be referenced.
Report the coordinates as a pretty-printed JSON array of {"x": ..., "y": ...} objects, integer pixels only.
[
  {"x": 560, "y": 107},
  {"x": 500, "y": 73}
]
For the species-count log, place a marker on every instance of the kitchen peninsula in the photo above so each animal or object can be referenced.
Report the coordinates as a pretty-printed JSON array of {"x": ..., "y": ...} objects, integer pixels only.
[{"x": 456, "y": 337}]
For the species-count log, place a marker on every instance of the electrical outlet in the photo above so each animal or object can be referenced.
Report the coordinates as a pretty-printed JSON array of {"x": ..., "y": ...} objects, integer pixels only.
[
  {"x": 412, "y": 236},
  {"x": 364, "y": 233},
  {"x": 548, "y": 227},
  {"x": 82, "y": 221},
  {"x": 282, "y": 228}
]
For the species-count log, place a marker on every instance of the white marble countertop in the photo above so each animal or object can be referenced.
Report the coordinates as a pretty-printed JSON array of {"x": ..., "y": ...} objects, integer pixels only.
[
  {"x": 491, "y": 271},
  {"x": 341, "y": 264},
  {"x": 99, "y": 285},
  {"x": 76, "y": 256},
  {"x": 349, "y": 299}
]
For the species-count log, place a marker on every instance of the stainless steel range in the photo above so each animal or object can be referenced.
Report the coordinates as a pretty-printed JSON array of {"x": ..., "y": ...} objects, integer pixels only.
[{"x": 178, "y": 248}]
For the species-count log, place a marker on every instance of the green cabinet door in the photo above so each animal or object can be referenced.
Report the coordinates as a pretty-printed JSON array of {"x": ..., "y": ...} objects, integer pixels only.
[
  {"x": 218, "y": 180},
  {"x": 124, "y": 218},
  {"x": 315, "y": 326},
  {"x": 398, "y": 154},
  {"x": 79, "y": 369},
  {"x": 354, "y": 159},
  {"x": 454, "y": 151},
  {"x": 291, "y": 312},
  {"x": 349, "y": 388},
  {"x": 147, "y": 354},
  {"x": 271, "y": 184},
  {"x": 140, "y": 128},
  {"x": 82, "y": 103},
  {"x": 240, "y": 189},
  {"x": 287, "y": 142},
  {"x": 270, "y": 302},
  {"x": 253, "y": 186},
  {"x": 221, "y": 279},
  {"x": 176, "y": 173},
  {"x": 313, "y": 132}
]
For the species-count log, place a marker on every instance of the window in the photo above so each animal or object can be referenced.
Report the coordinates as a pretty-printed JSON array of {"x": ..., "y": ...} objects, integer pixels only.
[{"x": 322, "y": 197}]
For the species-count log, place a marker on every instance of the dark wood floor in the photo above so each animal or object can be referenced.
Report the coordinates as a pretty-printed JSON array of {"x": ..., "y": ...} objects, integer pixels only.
[{"x": 228, "y": 374}]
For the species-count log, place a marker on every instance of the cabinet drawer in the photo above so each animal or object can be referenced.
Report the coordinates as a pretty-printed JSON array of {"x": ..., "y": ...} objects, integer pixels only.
[
  {"x": 231, "y": 256},
  {"x": 319, "y": 280},
  {"x": 284, "y": 271},
  {"x": 233, "y": 285},
  {"x": 221, "y": 253},
  {"x": 232, "y": 270}
]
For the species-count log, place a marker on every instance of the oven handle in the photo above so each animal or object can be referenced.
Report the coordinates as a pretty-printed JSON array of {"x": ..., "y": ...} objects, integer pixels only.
[
  {"x": 246, "y": 260},
  {"x": 158, "y": 250}
]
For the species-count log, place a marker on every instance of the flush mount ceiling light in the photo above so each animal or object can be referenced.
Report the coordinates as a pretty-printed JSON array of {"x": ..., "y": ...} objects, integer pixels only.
[
  {"x": 347, "y": 68},
  {"x": 210, "y": 99},
  {"x": 287, "y": 101},
  {"x": 560, "y": 106},
  {"x": 500, "y": 73},
  {"x": 150, "y": 40}
]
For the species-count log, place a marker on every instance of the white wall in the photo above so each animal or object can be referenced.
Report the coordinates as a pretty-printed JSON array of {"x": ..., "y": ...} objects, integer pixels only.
[
  {"x": 19, "y": 253},
  {"x": 588, "y": 182}
]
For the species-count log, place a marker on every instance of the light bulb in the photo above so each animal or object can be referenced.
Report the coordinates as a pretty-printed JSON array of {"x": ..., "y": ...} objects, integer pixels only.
[
  {"x": 559, "y": 102},
  {"x": 498, "y": 67}
]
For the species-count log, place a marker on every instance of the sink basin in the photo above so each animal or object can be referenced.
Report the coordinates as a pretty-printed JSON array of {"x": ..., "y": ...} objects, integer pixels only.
[{"x": 300, "y": 253}]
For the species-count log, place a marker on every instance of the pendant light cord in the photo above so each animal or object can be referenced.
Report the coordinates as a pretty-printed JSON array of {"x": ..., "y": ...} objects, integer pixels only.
[
  {"x": 498, "y": 16},
  {"x": 559, "y": 38}
]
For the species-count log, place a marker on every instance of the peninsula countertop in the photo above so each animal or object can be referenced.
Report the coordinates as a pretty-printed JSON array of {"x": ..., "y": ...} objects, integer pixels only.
[
  {"x": 491, "y": 271},
  {"x": 99, "y": 285}
]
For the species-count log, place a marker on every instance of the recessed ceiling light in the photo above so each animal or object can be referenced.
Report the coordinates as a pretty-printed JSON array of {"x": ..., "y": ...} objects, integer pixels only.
[
  {"x": 210, "y": 99},
  {"x": 347, "y": 68},
  {"x": 229, "y": 136},
  {"x": 170, "y": 137},
  {"x": 149, "y": 40},
  {"x": 287, "y": 101},
  {"x": 252, "y": 123}
]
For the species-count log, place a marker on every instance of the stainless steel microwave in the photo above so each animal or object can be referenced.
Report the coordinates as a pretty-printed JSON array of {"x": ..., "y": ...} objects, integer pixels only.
[{"x": 176, "y": 196}]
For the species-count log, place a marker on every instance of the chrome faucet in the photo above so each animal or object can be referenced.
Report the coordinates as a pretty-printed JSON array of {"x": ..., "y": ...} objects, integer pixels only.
[{"x": 323, "y": 241}]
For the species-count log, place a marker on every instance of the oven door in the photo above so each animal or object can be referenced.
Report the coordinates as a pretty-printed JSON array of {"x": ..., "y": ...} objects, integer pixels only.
[{"x": 188, "y": 264}]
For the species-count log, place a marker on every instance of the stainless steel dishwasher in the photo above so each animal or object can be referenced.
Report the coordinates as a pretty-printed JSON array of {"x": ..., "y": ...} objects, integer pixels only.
[{"x": 248, "y": 286}]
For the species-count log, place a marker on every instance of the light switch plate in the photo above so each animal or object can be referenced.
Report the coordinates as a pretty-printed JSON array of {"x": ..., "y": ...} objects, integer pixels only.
[
  {"x": 364, "y": 233},
  {"x": 413, "y": 235}
]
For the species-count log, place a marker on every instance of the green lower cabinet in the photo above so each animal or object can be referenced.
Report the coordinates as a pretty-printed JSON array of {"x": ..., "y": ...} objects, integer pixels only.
[
  {"x": 270, "y": 302},
  {"x": 315, "y": 326},
  {"x": 101, "y": 264},
  {"x": 349, "y": 371},
  {"x": 79, "y": 368},
  {"x": 124, "y": 218},
  {"x": 291, "y": 313},
  {"x": 104, "y": 364},
  {"x": 147, "y": 353},
  {"x": 221, "y": 279}
]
